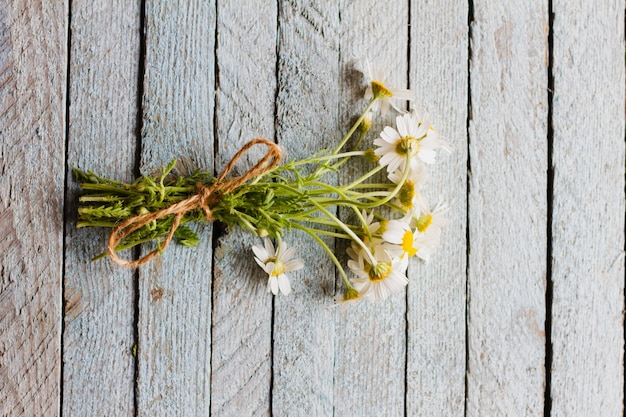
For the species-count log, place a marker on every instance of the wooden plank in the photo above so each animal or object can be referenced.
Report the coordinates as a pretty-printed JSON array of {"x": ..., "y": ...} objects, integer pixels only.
[
  {"x": 507, "y": 209},
  {"x": 175, "y": 289},
  {"x": 241, "y": 360},
  {"x": 364, "y": 386},
  {"x": 33, "y": 59},
  {"x": 588, "y": 209},
  {"x": 99, "y": 300},
  {"x": 436, "y": 356},
  {"x": 308, "y": 79}
]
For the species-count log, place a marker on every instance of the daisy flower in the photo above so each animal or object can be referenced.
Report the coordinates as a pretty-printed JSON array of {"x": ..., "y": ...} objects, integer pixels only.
[
  {"x": 377, "y": 88},
  {"x": 407, "y": 242},
  {"x": 429, "y": 221},
  {"x": 276, "y": 264},
  {"x": 377, "y": 282},
  {"x": 409, "y": 195},
  {"x": 411, "y": 140}
]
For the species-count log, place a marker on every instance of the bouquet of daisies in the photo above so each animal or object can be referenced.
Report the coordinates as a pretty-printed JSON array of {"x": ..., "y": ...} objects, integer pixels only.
[{"x": 392, "y": 220}]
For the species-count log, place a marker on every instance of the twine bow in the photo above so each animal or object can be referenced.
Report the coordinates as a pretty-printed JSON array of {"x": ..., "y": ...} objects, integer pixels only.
[{"x": 201, "y": 200}]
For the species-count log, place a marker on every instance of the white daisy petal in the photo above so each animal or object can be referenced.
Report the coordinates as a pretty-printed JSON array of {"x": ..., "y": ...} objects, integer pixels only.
[
  {"x": 294, "y": 265},
  {"x": 269, "y": 247},
  {"x": 428, "y": 156},
  {"x": 403, "y": 125},
  {"x": 390, "y": 135},
  {"x": 284, "y": 285},
  {"x": 287, "y": 254},
  {"x": 260, "y": 262},
  {"x": 272, "y": 285},
  {"x": 403, "y": 94},
  {"x": 269, "y": 268},
  {"x": 260, "y": 253}
]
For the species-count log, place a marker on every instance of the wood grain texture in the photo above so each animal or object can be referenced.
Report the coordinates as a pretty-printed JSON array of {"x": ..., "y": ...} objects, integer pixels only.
[
  {"x": 507, "y": 209},
  {"x": 33, "y": 57},
  {"x": 175, "y": 290},
  {"x": 436, "y": 357},
  {"x": 242, "y": 307},
  {"x": 588, "y": 209},
  {"x": 308, "y": 76},
  {"x": 98, "y": 339},
  {"x": 370, "y": 344}
]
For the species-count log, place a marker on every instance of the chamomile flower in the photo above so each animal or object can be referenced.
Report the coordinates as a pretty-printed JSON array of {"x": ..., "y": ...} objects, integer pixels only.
[
  {"x": 410, "y": 141},
  {"x": 429, "y": 221},
  {"x": 406, "y": 242},
  {"x": 377, "y": 88},
  {"x": 276, "y": 264},
  {"x": 409, "y": 195},
  {"x": 377, "y": 281}
]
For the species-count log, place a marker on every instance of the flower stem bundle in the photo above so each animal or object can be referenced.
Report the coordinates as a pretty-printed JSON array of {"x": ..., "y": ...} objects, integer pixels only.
[{"x": 272, "y": 198}]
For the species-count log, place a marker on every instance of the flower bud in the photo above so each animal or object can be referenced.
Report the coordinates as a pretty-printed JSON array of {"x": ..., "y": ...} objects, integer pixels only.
[{"x": 366, "y": 123}]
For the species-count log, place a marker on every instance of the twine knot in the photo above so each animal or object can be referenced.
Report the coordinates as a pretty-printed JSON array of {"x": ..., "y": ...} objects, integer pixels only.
[
  {"x": 205, "y": 193},
  {"x": 204, "y": 196}
]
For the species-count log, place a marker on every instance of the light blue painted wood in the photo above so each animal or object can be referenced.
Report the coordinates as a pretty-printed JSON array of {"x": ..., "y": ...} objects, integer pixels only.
[
  {"x": 437, "y": 300},
  {"x": 33, "y": 57},
  {"x": 175, "y": 290},
  {"x": 370, "y": 338},
  {"x": 99, "y": 332},
  {"x": 588, "y": 217},
  {"x": 307, "y": 116},
  {"x": 242, "y": 307},
  {"x": 224, "y": 346},
  {"x": 507, "y": 209}
]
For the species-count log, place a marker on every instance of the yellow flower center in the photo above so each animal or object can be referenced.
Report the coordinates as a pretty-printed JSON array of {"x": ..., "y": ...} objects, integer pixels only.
[
  {"x": 407, "y": 243},
  {"x": 279, "y": 267},
  {"x": 382, "y": 228},
  {"x": 408, "y": 145},
  {"x": 406, "y": 194},
  {"x": 380, "y": 91},
  {"x": 378, "y": 272},
  {"x": 424, "y": 221}
]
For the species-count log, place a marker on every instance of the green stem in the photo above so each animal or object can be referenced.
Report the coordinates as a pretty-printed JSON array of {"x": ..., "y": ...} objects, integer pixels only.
[
  {"x": 329, "y": 233},
  {"x": 329, "y": 157},
  {"x": 328, "y": 251},
  {"x": 347, "y": 136},
  {"x": 346, "y": 229},
  {"x": 355, "y": 126},
  {"x": 363, "y": 178}
]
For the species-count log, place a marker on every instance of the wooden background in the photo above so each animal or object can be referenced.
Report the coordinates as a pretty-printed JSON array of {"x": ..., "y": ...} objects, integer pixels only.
[{"x": 521, "y": 311}]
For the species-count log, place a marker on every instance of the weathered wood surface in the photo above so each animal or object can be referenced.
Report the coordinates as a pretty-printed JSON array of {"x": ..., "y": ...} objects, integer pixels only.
[
  {"x": 519, "y": 313},
  {"x": 436, "y": 333},
  {"x": 241, "y": 357},
  {"x": 174, "y": 311},
  {"x": 33, "y": 59},
  {"x": 588, "y": 217},
  {"x": 99, "y": 321},
  {"x": 370, "y": 339},
  {"x": 303, "y": 329},
  {"x": 507, "y": 209}
]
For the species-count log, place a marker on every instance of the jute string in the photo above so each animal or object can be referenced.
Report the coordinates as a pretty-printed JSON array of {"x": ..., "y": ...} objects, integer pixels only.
[{"x": 201, "y": 200}]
